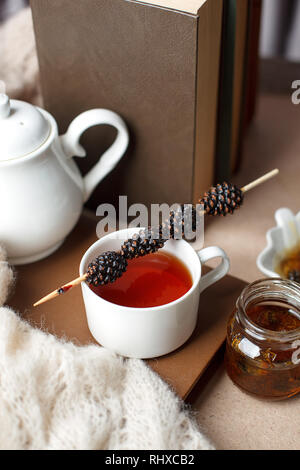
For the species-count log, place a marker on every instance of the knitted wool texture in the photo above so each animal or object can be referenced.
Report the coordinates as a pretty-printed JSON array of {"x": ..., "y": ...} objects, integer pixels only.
[{"x": 56, "y": 395}]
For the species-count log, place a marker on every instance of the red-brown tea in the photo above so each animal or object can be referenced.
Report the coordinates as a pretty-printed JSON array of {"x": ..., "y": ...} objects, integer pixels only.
[{"x": 155, "y": 279}]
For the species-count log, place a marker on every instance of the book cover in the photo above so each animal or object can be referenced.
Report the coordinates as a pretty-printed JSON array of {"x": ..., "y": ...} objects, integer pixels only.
[{"x": 157, "y": 65}]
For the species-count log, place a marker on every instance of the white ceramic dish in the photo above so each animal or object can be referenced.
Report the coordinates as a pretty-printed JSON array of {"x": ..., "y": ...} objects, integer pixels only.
[
  {"x": 149, "y": 332},
  {"x": 285, "y": 236}
]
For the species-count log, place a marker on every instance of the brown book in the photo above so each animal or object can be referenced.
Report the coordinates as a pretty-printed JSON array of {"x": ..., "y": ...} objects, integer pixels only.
[
  {"x": 246, "y": 93},
  {"x": 253, "y": 60},
  {"x": 157, "y": 65},
  {"x": 240, "y": 61}
]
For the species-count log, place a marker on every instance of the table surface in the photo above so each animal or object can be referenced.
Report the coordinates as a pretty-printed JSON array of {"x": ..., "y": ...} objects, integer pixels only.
[{"x": 231, "y": 418}]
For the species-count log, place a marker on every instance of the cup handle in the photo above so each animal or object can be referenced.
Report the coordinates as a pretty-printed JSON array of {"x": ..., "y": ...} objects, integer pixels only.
[
  {"x": 217, "y": 273},
  {"x": 110, "y": 158}
]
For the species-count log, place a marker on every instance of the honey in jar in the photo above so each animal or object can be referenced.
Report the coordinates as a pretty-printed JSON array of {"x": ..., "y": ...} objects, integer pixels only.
[{"x": 263, "y": 339}]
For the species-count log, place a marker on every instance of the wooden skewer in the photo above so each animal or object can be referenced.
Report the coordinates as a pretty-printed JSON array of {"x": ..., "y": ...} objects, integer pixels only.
[
  {"x": 260, "y": 180},
  {"x": 83, "y": 278},
  {"x": 62, "y": 290}
]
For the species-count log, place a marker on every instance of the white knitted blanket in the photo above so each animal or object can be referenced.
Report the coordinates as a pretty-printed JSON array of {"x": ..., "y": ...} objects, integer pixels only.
[{"x": 55, "y": 395}]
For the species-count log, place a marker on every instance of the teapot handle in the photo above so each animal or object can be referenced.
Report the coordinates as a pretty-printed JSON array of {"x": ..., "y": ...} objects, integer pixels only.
[{"x": 110, "y": 158}]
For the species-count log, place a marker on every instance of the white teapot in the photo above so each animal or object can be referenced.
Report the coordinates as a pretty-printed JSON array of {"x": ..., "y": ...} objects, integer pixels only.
[{"x": 41, "y": 189}]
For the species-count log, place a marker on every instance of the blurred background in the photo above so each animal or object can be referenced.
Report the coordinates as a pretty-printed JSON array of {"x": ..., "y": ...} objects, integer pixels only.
[
  {"x": 279, "y": 41},
  {"x": 9, "y": 7},
  {"x": 280, "y": 30},
  {"x": 279, "y": 45}
]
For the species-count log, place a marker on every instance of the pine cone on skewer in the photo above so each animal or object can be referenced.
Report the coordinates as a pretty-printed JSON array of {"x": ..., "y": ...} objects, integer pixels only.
[
  {"x": 141, "y": 244},
  {"x": 220, "y": 200},
  {"x": 106, "y": 268}
]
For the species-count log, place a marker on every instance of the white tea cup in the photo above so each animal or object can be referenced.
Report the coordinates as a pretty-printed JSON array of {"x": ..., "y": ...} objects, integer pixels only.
[{"x": 153, "y": 331}]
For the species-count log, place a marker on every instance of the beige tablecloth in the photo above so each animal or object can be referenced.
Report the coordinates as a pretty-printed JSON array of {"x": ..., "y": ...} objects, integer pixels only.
[{"x": 236, "y": 420}]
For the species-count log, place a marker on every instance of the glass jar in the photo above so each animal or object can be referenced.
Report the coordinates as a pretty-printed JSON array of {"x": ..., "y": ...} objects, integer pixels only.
[{"x": 261, "y": 361}]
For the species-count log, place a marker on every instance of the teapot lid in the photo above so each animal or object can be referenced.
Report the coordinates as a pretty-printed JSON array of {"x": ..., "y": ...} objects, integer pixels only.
[{"x": 23, "y": 128}]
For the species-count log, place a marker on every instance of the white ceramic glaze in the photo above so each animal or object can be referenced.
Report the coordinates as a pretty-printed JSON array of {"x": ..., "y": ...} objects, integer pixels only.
[
  {"x": 285, "y": 236},
  {"x": 41, "y": 189},
  {"x": 23, "y": 128},
  {"x": 149, "y": 332}
]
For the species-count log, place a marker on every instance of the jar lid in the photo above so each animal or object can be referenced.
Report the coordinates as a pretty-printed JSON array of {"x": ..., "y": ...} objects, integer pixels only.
[{"x": 23, "y": 128}]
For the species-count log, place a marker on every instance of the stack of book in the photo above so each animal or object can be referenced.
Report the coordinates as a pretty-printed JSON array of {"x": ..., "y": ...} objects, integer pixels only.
[
  {"x": 238, "y": 81},
  {"x": 176, "y": 70}
]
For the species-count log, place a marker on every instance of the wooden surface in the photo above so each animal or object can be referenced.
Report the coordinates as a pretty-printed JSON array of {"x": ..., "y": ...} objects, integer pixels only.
[
  {"x": 231, "y": 418},
  {"x": 65, "y": 316}
]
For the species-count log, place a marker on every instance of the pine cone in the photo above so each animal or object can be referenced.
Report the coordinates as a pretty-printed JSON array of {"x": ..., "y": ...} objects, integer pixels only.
[
  {"x": 111, "y": 265},
  {"x": 143, "y": 243},
  {"x": 222, "y": 199},
  {"x": 106, "y": 268}
]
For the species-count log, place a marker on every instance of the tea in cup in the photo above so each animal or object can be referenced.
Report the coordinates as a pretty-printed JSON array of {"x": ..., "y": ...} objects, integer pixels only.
[{"x": 128, "y": 318}]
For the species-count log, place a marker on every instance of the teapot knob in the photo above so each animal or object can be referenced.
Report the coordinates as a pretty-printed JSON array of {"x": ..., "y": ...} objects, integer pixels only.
[{"x": 4, "y": 106}]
